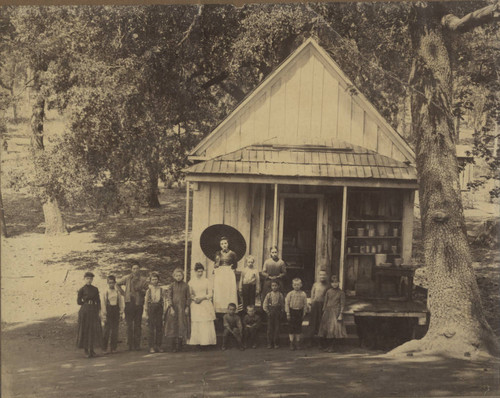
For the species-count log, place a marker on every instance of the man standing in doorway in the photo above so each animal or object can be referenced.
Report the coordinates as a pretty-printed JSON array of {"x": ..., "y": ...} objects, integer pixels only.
[{"x": 135, "y": 290}]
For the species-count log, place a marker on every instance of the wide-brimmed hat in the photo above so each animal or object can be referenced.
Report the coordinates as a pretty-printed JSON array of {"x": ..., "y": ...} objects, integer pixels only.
[{"x": 211, "y": 237}]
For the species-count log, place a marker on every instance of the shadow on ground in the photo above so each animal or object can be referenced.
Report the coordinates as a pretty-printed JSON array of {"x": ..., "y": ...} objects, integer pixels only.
[
  {"x": 154, "y": 238},
  {"x": 57, "y": 369}
]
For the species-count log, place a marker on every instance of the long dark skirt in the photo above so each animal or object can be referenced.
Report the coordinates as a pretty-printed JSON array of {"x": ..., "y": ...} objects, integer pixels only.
[
  {"x": 178, "y": 325},
  {"x": 89, "y": 327}
]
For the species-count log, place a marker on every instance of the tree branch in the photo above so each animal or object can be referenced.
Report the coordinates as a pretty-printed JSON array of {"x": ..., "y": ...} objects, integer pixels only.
[
  {"x": 5, "y": 86},
  {"x": 215, "y": 80},
  {"x": 191, "y": 27},
  {"x": 233, "y": 90},
  {"x": 470, "y": 21}
]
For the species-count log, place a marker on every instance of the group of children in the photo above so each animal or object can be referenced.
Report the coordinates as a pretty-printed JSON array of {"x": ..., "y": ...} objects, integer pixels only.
[
  {"x": 184, "y": 312},
  {"x": 168, "y": 312}
]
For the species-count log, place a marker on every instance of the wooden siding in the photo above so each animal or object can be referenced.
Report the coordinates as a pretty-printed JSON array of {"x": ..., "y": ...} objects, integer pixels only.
[
  {"x": 306, "y": 102},
  {"x": 238, "y": 205},
  {"x": 329, "y": 225}
]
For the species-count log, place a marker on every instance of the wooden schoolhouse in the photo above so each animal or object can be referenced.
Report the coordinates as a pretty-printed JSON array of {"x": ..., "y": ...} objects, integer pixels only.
[{"x": 307, "y": 163}]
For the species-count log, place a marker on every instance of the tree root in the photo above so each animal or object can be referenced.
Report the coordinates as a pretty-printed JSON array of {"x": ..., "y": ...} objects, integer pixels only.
[{"x": 456, "y": 346}]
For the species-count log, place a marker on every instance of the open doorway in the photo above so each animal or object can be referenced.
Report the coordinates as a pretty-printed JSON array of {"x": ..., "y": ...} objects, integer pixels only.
[{"x": 299, "y": 240}]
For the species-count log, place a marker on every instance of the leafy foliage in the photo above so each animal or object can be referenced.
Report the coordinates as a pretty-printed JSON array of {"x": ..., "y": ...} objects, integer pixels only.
[{"x": 140, "y": 85}]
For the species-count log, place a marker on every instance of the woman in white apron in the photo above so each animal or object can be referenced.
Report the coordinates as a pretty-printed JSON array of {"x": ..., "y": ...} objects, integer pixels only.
[{"x": 225, "y": 291}]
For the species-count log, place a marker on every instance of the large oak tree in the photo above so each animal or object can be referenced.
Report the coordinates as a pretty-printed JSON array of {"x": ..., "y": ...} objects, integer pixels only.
[{"x": 457, "y": 324}]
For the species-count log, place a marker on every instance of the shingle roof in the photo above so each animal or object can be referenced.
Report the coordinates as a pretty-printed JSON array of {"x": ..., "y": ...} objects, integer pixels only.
[{"x": 342, "y": 161}]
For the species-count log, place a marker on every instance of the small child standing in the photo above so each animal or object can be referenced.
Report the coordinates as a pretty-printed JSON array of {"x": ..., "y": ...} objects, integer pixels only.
[
  {"x": 249, "y": 285},
  {"x": 317, "y": 298},
  {"x": 154, "y": 310},
  {"x": 89, "y": 322},
  {"x": 112, "y": 309},
  {"x": 296, "y": 308},
  {"x": 332, "y": 325},
  {"x": 274, "y": 304},
  {"x": 251, "y": 326},
  {"x": 232, "y": 327},
  {"x": 178, "y": 297}
]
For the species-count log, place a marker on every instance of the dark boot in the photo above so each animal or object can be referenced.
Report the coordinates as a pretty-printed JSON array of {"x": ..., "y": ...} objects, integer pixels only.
[
  {"x": 179, "y": 344},
  {"x": 224, "y": 343}
]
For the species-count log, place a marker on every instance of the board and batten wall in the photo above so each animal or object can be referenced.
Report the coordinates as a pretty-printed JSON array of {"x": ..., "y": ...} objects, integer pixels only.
[
  {"x": 250, "y": 209},
  {"x": 242, "y": 206},
  {"x": 306, "y": 103}
]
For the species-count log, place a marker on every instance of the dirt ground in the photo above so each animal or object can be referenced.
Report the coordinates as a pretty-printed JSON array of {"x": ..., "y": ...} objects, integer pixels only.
[
  {"x": 40, "y": 277},
  {"x": 39, "y": 360}
]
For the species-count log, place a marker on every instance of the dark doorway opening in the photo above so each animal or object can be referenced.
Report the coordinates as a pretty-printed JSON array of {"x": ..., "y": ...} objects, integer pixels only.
[{"x": 299, "y": 240}]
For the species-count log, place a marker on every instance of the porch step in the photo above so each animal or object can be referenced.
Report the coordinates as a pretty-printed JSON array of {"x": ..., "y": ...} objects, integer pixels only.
[{"x": 349, "y": 324}]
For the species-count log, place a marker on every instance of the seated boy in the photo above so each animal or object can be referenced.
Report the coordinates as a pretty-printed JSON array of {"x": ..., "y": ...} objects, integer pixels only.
[
  {"x": 251, "y": 326},
  {"x": 232, "y": 327}
]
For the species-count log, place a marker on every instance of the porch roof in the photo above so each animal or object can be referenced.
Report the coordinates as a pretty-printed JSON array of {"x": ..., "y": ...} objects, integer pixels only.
[{"x": 343, "y": 161}]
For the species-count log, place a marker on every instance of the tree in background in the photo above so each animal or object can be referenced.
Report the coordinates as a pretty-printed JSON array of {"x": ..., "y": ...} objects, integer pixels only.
[
  {"x": 41, "y": 40},
  {"x": 138, "y": 100}
]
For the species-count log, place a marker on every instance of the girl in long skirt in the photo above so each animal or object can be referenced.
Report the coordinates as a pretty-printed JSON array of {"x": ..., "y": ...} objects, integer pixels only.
[
  {"x": 224, "y": 278},
  {"x": 332, "y": 325},
  {"x": 89, "y": 322},
  {"x": 202, "y": 310},
  {"x": 178, "y": 297}
]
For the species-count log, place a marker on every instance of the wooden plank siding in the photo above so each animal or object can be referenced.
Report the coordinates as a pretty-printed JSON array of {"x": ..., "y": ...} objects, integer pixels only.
[
  {"x": 201, "y": 202},
  {"x": 344, "y": 115},
  {"x": 306, "y": 99},
  {"x": 241, "y": 206},
  {"x": 329, "y": 107},
  {"x": 277, "y": 112},
  {"x": 317, "y": 98},
  {"x": 268, "y": 223},
  {"x": 307, "y": 102},
  {"x": 324, "y": 234},
  {"x": 370, "y": 132}
]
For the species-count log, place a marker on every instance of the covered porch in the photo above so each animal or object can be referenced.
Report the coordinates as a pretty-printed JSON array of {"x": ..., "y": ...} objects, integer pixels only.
[{"x": 310, "y": 201}]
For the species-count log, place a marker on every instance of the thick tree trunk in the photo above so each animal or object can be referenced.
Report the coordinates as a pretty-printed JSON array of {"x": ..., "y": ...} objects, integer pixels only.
[
  {"x": 54, "y": 222},
  {"x": 457, "y": 323},
  {"x": 153, "y": 191}
]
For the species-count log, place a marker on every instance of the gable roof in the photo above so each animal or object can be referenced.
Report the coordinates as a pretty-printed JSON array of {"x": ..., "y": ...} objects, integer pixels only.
[{"x": 236, "y": 130}]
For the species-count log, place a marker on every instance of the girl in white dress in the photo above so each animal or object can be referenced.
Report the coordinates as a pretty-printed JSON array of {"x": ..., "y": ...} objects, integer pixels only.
[{"x": 202, "y": 310}]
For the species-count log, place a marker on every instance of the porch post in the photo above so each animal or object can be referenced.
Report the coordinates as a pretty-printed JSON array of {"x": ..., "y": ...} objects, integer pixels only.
[
  {"x": 275, "y": 216},
  {"x": 186, "y": 233},
  {"x": 342, "y": 237}
]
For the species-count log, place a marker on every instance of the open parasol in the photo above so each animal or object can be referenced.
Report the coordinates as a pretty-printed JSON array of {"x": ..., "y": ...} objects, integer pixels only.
[{"x": 210, "y": 240}]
